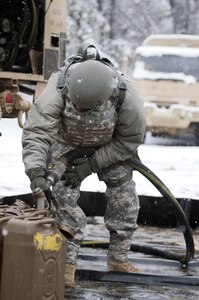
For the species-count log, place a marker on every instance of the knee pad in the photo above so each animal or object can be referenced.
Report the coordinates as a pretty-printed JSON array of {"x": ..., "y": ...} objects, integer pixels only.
[{"x": 116, "y": 182}]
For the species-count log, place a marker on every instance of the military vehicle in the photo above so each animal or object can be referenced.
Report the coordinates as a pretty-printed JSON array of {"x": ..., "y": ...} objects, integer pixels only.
[
  {"x": 166, "y": 75},
  {"x": 32, "y": 46}
]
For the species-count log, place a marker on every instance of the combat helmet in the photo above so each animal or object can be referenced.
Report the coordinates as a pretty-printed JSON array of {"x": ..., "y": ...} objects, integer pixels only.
[{"x": 90, "y": 83}]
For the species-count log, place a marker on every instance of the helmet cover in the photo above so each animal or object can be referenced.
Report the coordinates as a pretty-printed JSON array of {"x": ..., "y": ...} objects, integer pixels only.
[{"x": 90, "y": 83}]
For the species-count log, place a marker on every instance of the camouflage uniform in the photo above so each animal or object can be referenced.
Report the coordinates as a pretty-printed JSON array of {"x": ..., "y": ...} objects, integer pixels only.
[
  {"x": 121, "y": 214},
  {"x": 116, "y": 135}
]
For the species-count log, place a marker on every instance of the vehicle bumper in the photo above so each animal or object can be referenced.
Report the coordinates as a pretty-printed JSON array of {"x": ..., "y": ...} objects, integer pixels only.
[{"x": 177, "y": 117}]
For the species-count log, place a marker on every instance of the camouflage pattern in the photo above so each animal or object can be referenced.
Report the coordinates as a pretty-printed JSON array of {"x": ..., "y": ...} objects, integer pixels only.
[
  {"x": 93, "y": 129},
  {"x": 120, "y": 217},
  {"x": 70, "y": 213}
]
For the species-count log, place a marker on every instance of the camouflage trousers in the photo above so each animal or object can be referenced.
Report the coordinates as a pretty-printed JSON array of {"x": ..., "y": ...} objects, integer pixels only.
[{"x": 121, "y": 213}]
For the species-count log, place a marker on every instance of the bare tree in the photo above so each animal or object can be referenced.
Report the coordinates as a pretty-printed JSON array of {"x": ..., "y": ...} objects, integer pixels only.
[
  {"x": 185, "y": 16},
  {"x": 118, "y": 27}
]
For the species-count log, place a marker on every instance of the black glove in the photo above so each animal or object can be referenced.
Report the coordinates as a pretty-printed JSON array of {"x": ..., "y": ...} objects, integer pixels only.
[
  {"x": 79, "y": 169},
  {"x": 38, "y": 180}
]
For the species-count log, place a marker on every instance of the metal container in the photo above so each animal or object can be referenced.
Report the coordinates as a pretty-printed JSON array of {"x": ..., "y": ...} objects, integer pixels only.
[{"x": 33, "y": 260}]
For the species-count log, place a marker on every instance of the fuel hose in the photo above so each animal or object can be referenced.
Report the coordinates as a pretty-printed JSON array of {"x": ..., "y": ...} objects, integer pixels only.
[
  {"x": 178, "y": 211},
  {"x": 137, "y": 165}
]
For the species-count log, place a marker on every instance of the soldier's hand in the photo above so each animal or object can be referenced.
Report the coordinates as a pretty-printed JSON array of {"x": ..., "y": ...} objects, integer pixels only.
[
  {"x": 38, "y": 180},
  {"x": 79, "y": 169}
]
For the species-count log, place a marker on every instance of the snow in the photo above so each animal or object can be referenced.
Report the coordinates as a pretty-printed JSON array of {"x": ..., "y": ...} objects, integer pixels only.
[
  {"x": 171, "y": 36},
  {"x": 148, "y": 51},
  {"x": 176, "y": 166}
]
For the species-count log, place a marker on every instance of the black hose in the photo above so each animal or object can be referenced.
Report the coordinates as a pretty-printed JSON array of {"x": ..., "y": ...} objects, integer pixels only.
[
  {"x": 147, "y": 249},
  {"x": 34, "y": 23},
  {"x": 77, "y": 153},
  {"x": 177, "y": 209},
  {"x": 16, "y": 40}
]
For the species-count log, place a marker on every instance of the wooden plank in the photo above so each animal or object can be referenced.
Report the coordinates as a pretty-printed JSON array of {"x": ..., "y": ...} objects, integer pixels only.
[{"x": 22, "y": 76}]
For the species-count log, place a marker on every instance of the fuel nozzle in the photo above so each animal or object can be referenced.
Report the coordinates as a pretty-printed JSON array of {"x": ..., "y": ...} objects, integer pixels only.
[{"x": 56, "y": 171}]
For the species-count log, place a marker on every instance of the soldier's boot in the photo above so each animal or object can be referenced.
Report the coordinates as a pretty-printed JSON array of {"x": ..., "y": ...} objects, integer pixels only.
[
  {"x": 118, "y": 254},
  {"x": 115, "y": 266},
  {"x": 70, "y": 275},
  {"x": 72, "y": 252}
]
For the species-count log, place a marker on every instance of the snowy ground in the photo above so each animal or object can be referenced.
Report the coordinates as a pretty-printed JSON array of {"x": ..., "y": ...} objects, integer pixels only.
[{"x": 176, "y": 166}]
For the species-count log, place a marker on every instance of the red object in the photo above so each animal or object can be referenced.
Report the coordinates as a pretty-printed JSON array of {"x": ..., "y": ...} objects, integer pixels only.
[{"x": 9, "y": 98}]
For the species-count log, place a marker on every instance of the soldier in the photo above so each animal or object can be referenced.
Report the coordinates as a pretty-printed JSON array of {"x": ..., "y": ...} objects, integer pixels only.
[{"x": 88, "y": 103}]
